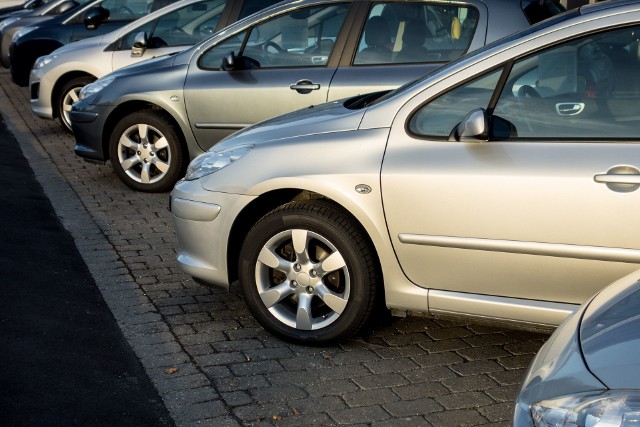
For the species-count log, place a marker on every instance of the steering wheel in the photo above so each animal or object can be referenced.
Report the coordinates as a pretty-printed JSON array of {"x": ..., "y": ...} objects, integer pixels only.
[
  {"x": 527, "y": 91},
  {"x": 274, "y": 45}
]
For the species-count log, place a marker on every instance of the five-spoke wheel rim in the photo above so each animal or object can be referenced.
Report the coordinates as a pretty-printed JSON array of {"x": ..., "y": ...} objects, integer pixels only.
[
  {"x": 302, "y": 279},
  {"x": 144, "y": 153}
]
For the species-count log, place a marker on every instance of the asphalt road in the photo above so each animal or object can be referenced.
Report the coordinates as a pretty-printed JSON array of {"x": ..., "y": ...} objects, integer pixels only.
[
  {"x": 209, "y": 360},
  {"x": 64, "y": 359}
]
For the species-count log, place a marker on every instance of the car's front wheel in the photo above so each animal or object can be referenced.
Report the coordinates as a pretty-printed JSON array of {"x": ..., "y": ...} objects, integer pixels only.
[
  {"x": 146, "y": 152},
  {"x": 68, "y": 95},
  {"x": 308, "y": 273}
]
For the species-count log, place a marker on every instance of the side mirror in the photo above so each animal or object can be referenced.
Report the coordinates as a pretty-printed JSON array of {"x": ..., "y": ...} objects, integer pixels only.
[
  {"x": 229, "y": 61},
  {"x": 139, "y": 45},
  {"x": 66, "y": 6},
  {"x": 95, "y": 16},
  {"x": 473, "y": 128},
  {"x": 32, "y": 4}
]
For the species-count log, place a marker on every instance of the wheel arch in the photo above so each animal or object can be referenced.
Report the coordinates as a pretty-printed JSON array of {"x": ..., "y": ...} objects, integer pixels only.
[
  {"x": 267, "y": 202},
  {"x": 63, "y": 80},
  {"x": 130, "y": 107}
]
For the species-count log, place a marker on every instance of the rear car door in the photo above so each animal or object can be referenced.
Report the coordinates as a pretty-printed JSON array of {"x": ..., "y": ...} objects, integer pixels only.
[{"x": 396, "y": 42}]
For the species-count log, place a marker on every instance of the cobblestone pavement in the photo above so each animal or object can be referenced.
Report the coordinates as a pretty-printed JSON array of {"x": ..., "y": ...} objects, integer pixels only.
[{"x": 214, "y": 365}]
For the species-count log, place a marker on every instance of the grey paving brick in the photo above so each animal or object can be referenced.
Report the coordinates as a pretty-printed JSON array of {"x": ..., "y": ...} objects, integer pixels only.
[
  {"x": 472, "y": 399},
  {"x": 469, "y": 383},
  {"x": 283, "y": 393},
  {"x": 256, "y": 367},
  {"x": 457, "y": 418},
  {"x": 417, "y": 391},
  {"x": 381, "y": 380},
  {"x": 365, "y": 414},
  {"x": 498, "y": 412},
  {"x": 421, "y": 406},
  {"x": 370, "y": 397}
]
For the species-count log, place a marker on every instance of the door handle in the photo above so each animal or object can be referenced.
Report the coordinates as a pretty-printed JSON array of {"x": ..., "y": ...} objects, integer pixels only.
[
  {"x": 304, "y": 86},
  {"x": 622, "y": 179},
  {"x": 569, "y": 108}
]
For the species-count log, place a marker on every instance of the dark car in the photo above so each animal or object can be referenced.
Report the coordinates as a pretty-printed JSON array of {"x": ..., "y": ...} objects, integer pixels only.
[
  {"x": 18, "y": 20},
  {"x": 12, "y": 9},
  {"x": 94, "y": 18}
]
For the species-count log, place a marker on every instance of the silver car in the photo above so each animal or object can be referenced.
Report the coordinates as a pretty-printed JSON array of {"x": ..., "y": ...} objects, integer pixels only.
[
  {"x": 588, "y": 372},
  {"x": 503, "y": 186},
  {"x": 56, "y": 79},
  {"x": 289, "y": 56}
]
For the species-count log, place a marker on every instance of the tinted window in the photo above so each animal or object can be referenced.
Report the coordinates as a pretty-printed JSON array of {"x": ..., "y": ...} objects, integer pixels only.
[
  {"x": 538, "y": 10},
  {"x": 250, "y": 7},
  {"x": 415, "y": 32},
  {"x": 440, "y": 116},
  {"x": 585, "y": 88}
]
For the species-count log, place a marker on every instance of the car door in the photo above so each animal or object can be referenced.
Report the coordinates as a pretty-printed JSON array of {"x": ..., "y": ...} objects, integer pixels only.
[
  {"x": 547, "y": 208},
  {"x": 284, "y": 63},
  {"x": 171, "y": 32},
  {"x": 399, "y": 42}
]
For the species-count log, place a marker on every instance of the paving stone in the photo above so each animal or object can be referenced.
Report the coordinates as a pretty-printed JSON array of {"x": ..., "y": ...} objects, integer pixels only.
[
  {"x": 370, "y": 397},
  {"x": 366, "y": 414}
]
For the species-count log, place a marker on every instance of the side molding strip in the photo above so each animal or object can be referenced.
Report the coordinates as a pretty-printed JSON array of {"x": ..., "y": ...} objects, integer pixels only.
[{"x": 529, "y": 248}]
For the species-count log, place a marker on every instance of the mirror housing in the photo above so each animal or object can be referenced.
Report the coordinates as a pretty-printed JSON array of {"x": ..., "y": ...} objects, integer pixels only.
[
  {"x": 140, "y": 43},
  {"x": 95, "y": 16},
  {"x": 473, "y": 128},
  {"x": 66, "y": 6},
  {"x": 229, "y": 61}
]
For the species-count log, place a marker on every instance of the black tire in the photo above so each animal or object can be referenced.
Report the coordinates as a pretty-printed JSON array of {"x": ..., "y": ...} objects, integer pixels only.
[
  {"x": 152, "y": 164},
  {"x": 298, "y": 286},
  {"x": 67, "y": 96}
]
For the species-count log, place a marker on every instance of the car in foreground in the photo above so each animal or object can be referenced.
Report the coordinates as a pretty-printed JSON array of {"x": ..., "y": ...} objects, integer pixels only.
[
  {"x": 12, "y": 24},
  {"x": 502, "y": 186},
  {"x": 93, "y": 18},
  {"x": 289, "y": 56},
  {"x": 56, "y": 79},
  {"x": 588, "y": 372}
]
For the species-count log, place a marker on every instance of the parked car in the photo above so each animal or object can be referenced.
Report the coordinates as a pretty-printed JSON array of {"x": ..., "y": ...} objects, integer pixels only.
[
  {"x": 286, "y": 57},
  {"x": 9, "y": 8},
  {"x": 12, "y": 24},
  {"x": 588, "y": 372},
  {"x": 56, "y": 79},
  {"x": 94, "y": 18},
  {"x": 503, "y": 186}
]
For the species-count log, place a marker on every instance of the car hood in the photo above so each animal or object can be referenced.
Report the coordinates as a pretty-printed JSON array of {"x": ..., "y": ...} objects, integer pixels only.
[
  {"x": 91, "y": 44},
  {"x": 317, "y": 119},
  {"x": 610, "y": 334},
  {"x": 146, "y": 65}
]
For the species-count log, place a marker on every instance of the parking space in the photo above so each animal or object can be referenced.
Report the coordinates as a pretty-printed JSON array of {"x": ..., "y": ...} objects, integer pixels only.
[{"x": 210, "y": 361}]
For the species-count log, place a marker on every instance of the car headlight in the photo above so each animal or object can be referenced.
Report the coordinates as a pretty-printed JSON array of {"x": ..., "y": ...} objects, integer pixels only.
[
  {"x": 43, "y": 60},
  {"x": 21, "y": 32},
  {"x": 597, "y": 409},
  {"x": 212, "y": 161},
  {"x": 8, "y": 21},
  {"x": 95, "y": 87}
]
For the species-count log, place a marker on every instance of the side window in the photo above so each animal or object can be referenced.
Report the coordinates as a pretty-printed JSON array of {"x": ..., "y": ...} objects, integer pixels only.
[
  {"x": 212, "y": 58},
  {"x": 441, "y": 115},
  {"x": 122, "y": 10},
  {"x": 187, "y": 25},
  {"x": 303, "y": 38},
  {"x": 250, "y": 7},
  {"x": 397, "y": 33},
  {"x": 586, "y": 88}
]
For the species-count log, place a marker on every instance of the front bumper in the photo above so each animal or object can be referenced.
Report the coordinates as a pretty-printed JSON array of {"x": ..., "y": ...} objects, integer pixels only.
[
  {"x": 87, "y": 123},
  {"x": 40, "y": 90},
  {"x": 203, "y": 221}
]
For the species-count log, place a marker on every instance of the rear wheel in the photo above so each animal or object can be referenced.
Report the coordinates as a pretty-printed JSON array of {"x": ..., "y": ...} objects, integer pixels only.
[
  {"x": 68, "y": 95},
  {"x": 308, "y": 273},
  {"x": 146, "y": 152}
]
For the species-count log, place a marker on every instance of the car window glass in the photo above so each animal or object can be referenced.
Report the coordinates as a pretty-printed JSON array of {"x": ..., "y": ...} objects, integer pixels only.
[
  {"x": 440, "y": 116},
  {"x": 252, "y": 6},
  {"x": 212, "y": 58},
  {"x": 585, "y": 88},
  {"x": 181, "y": 27},
  {"x": 303, "y": 38},
  {"x": 118, "y": 10},
  {"x": 397, "y": 33}
]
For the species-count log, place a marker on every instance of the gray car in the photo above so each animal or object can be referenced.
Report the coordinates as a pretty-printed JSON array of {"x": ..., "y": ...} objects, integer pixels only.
[
  {"x": 290, "y": 56},
  {"x": 588, "y": 372},
  {"x": 56, "y": 79},
  {"x": 503, "y": 186}
]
